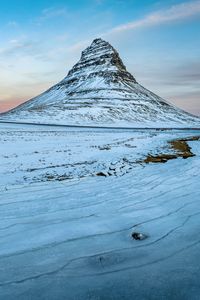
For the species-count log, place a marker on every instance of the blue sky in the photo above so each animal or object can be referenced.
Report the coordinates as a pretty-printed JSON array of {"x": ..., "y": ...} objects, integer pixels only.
[{"x": 157, "y": 40}]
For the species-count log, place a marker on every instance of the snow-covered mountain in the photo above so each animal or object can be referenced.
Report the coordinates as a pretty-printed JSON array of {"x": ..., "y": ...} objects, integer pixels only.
[{"x": 99, "y": 90}]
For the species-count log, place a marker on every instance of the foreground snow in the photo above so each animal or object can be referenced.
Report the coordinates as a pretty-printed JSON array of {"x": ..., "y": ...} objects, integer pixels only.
[{"x": 71, "y": 239}]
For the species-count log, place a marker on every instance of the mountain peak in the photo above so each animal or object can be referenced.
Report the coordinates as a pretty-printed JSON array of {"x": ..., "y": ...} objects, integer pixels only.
[
  {"x": 99, "y": 40},
  {"x": 99, "y": 90},
  {"x": 98, "y": 49},
  {"x": 100, "y": 44},
  {"x": 102, "y": 60}
]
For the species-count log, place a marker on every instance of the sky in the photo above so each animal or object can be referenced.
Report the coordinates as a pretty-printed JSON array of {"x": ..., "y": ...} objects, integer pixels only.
[{"x": 159, "y": 42}]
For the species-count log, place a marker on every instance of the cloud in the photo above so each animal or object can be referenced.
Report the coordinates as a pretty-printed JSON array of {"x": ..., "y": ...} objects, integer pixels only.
[
  {"x": 39, "y": 55},
  {"x": 175, "y": 81},
  {"x": 186, "y": 74},
  {"x": 51, "y": 12},
  {"x": 77, "y": 47},
  {"x": 22, "y": 47},
  {"x": 12, "y": 24},
  {"x": 175, "y": 13},
  {"x": 188, "y": 101},
  {"x": 170, "y": 78},
  {"x": 15, "y": 46}
]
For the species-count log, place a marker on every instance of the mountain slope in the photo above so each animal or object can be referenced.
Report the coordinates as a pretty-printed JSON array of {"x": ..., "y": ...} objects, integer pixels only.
[{"x": 99, "y": 90}]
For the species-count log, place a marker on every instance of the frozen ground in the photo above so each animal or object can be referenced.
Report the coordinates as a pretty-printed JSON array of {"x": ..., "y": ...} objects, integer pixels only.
[{"x": 66, "y": 232}]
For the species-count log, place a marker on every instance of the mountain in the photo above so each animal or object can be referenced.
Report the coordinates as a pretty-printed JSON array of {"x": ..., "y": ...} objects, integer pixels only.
[{"x": 99, "y": 90}]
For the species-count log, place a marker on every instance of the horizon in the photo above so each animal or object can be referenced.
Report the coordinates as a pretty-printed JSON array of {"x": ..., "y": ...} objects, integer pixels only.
[{"x": 37, "y": 43}]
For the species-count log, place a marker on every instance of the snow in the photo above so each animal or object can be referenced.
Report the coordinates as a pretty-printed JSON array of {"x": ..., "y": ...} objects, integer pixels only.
[
  {"x": 71, "y": 239},
  {"x": 42, "y": 152}
]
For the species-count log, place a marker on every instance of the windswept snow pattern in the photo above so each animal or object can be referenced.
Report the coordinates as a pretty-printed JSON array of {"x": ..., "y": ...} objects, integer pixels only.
[
  {"x": 99, "y": 90},
  {"x": 72, "y": 238}
]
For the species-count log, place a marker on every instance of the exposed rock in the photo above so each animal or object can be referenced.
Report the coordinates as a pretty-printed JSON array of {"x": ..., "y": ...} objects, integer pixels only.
[
  {"x": 102, "y": 174},
  {"x": 180, "y": 148},
  {"x": 139, "y": 236}
]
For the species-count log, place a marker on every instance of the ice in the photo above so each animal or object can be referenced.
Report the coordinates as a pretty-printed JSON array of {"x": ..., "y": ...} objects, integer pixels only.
[{"x": 72, "y": 239}]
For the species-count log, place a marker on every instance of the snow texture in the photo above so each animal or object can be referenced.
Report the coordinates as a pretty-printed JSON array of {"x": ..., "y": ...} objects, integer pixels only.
[{"x": 66, "y": 233}]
